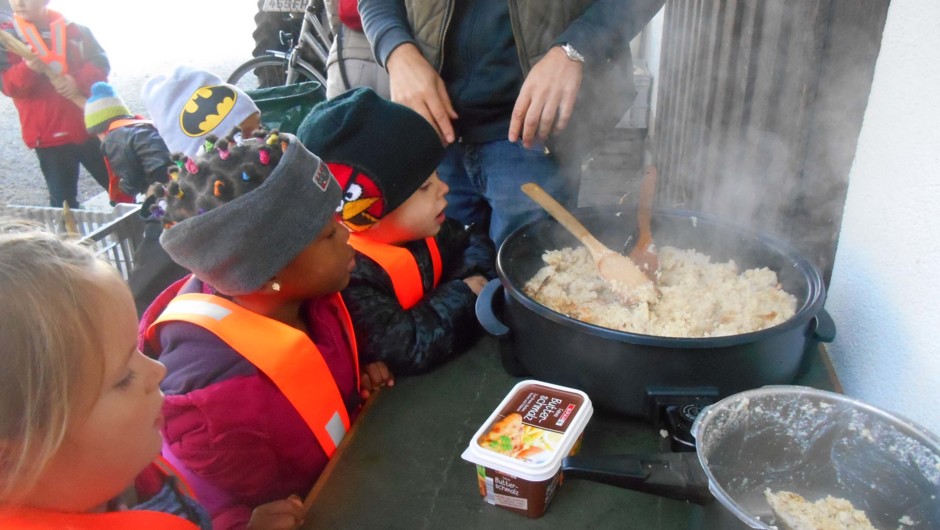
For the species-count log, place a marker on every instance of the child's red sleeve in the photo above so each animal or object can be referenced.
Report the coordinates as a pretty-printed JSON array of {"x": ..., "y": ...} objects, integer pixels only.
[{"x": 18, "y": 79}]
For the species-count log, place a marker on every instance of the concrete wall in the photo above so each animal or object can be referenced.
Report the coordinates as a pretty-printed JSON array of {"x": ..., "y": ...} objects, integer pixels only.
[{"x": 884, "y": 290}]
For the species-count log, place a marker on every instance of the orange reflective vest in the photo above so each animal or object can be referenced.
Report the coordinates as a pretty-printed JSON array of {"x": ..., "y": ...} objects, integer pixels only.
[
  {"x": 54, "y": 54},
  {"x": 400, "y": 265},
  {"x": 34, "y": 519},
  {"x": 284, "y": 354},
  {"x": 115, "y": 194}
]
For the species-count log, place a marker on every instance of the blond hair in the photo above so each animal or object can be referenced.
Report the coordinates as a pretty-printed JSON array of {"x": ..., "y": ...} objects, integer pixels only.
[{"x": 48, "y": 340}]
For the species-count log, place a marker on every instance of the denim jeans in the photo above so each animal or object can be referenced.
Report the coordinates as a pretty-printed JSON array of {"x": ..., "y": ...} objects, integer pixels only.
[
  {"x": 60, "y": 167},
  {"x": 485, "y": 180}
]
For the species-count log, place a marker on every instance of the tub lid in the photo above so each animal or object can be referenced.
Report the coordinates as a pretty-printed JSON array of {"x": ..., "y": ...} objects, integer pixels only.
[{"x": 531, "y": 431}]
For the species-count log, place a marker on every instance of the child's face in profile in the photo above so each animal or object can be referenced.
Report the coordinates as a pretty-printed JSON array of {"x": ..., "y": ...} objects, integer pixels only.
[
  {"x": 419, "y": 217},
  {"x": 321, "y": 268},
  {"x": 119, "y": 435},
  {"x": 31, "y": 10}
]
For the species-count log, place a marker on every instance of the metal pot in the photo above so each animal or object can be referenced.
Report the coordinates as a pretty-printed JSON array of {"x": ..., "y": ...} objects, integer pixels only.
[
  {"x": 631, "y": 373},
  {"x": 789, "y": 438}
]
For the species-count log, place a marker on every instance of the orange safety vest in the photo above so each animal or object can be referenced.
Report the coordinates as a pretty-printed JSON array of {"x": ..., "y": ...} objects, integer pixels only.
[
  {"x": 284, "y": 354},
  {"x": 34, "y": 519},
  {"x": 53, "y": 55},
  {"x": 400, "y": 265},
  {"x": 114, "y": 189}
]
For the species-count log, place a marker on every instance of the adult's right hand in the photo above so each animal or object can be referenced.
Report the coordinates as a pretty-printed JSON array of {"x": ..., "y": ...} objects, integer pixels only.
[{"x": 417, "y": 85}]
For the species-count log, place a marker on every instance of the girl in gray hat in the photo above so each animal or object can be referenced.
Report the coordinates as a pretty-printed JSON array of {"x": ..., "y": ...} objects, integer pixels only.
[{"x": 262, "y": 366}]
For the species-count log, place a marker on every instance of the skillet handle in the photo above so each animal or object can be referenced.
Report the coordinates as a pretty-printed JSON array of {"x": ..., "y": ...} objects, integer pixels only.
[
  {"x": 672, "y": 475},
  {"x": 485, "y": 313}
]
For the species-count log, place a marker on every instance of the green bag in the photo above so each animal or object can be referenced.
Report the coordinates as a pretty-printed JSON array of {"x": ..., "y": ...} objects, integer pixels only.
[{"x": 284, "y": 107}]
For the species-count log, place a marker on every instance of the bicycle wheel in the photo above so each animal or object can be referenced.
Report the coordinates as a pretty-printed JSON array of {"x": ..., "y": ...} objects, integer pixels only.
[{"x": 267, "y": 71}]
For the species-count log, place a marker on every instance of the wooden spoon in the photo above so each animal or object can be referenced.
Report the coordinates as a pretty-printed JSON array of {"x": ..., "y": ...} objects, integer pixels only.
[
  {"x": 644, "y": 252},
  {"x": 617, "y": 269}
]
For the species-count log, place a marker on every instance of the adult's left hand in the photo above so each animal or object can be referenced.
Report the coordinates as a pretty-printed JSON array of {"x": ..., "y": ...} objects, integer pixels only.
[{"x": 547, "y": 98}]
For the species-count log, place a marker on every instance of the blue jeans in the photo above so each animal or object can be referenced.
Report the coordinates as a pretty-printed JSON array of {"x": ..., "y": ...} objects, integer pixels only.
[{"x": 485, "y": 180}]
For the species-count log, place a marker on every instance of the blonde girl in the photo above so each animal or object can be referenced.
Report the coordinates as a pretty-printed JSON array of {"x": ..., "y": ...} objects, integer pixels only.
[{"x": 79, "y": 404}]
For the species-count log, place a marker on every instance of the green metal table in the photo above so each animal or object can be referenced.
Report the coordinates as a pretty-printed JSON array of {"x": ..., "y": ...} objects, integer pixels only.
[{"x": 400, "y": 466}]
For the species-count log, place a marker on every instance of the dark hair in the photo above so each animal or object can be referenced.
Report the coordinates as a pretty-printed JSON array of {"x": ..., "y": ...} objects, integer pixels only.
[{"x": 225, "y": 171}]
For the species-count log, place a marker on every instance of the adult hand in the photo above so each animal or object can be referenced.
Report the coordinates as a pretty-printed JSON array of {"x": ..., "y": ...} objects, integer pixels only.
[
  {"x": 286, "y": 514},
  {"x": 547, "y": 98},
  {"x": 374, "y": 376},
  {"x": 417, "y": 85}
]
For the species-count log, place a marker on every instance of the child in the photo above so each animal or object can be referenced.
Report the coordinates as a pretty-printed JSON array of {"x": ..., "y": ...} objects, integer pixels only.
[
  {"x": 189, "y": 108},
  {"x": 80, "y": 405},
  {"x": 189, "y": 105},
  {"x": 51, "y": 123},
  {"x": 134, "y": 153},
  {"x": 413, "y": 291},
  {"x": 263, "y": 378}
]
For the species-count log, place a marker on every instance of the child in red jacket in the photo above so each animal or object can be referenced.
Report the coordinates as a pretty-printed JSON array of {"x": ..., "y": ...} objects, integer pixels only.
[
  {"x": 263, "y": 373},
  {"x": 52, "y": 123},
  {"x": 80, "y": 410}
]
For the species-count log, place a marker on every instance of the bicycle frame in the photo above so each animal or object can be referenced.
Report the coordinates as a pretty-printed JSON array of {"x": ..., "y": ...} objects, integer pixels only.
[{"x": 306, "y": 40}]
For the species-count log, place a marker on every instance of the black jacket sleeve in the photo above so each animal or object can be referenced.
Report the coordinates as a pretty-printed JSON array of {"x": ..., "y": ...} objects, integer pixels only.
[
  {"x": 441, "y": 325},
  {"x": 138, "y": 155}
]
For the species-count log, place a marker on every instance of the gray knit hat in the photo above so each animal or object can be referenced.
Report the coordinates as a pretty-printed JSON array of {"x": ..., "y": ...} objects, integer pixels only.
[{"x": 240, "y": 245}]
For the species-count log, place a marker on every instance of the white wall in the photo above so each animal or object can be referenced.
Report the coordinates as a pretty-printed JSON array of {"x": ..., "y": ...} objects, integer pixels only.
[{"x": 884, "y": 294}]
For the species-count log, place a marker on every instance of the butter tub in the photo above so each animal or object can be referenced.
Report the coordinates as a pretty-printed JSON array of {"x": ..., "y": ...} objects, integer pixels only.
[{"x": 519, "y": 449}]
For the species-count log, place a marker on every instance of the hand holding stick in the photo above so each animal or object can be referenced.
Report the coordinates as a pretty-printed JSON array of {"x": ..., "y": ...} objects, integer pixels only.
[{"x": 20, "y": 48}]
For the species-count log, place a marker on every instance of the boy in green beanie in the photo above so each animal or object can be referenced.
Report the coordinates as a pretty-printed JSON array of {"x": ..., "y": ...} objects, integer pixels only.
[{"x": 418, "y": 273}]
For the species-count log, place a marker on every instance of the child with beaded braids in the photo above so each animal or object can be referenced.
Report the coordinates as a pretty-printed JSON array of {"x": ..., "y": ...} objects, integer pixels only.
[{"x": 263, "y": 376}]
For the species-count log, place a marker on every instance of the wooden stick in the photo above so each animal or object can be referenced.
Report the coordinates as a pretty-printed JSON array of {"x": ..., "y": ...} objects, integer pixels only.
[
  {"x": 69, "y": 219},
  {"x": 20, "y": 48}
]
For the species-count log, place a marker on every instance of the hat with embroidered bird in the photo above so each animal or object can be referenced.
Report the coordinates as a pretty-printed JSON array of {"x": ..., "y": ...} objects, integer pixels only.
[{"x": 380, "y": 152}]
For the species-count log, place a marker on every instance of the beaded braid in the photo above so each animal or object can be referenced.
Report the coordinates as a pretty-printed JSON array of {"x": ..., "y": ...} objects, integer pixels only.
[{"x": 225, "y": 171}]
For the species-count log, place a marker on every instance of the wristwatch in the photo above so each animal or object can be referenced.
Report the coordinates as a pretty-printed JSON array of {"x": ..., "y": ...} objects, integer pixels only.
[{"x": 572, "y": 53}]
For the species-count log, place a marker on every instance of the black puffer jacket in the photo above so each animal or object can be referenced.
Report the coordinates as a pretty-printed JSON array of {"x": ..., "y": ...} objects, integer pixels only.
[
  {"x": 441, "y": 324},
  {"x": 138, "y": 156}
]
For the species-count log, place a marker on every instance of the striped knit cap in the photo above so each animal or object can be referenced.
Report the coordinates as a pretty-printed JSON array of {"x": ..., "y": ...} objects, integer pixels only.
[{"x": 103, "y": 107}]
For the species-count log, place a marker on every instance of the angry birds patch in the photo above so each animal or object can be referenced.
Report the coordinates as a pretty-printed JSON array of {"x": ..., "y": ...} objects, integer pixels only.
[
  {"x": 206, "y": 109},
  {"x": 363, "y": 203}
]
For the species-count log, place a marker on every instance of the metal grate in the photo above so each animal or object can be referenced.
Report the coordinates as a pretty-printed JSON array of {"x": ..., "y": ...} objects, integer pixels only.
[{"x": 115, "y": 234}]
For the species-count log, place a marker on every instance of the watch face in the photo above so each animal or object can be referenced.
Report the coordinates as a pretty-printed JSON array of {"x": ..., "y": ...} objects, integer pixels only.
[{"x": 572, "y": 53}]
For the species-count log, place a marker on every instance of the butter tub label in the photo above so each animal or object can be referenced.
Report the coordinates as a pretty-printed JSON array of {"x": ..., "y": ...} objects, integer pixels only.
[
  {"x": 532, "y": 425},
  {"x": 528, "y": 498}
]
